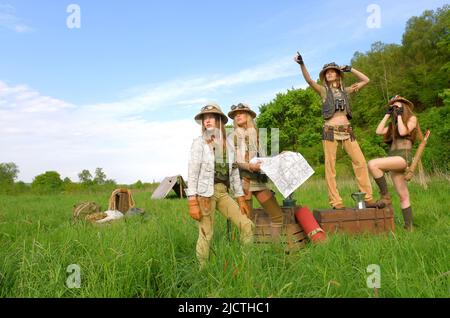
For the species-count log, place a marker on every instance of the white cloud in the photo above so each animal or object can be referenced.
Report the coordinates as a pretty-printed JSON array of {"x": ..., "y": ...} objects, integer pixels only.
[
  {"x": 10, "y": 21},
  {"x": 23, "y": 99},
  {"x": 65, "y": 138},
  {"x": 184, "y": 92},
  {"x": 22, "y": 28},
  {"x": 44, "y": 133}
]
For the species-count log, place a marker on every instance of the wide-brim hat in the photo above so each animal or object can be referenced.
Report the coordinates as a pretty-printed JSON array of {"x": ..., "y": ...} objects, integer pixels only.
[
  {"x": 243, "y": 108},
  {"x": 398, "y": 98},
  {"x": 330, "y": 66},
  {"x": 210, "y": 108}
]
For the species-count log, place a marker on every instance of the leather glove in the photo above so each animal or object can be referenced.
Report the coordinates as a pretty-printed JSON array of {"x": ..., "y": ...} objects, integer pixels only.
[
  {"x": 299, "y": 59},
  {"x": 194, "y": 209},
  {"x": 254, "y": 167},
  {"x": 243, "y": 206},
  {"x": 399, "y": 111},
  {"x": 389, "y": 110},
  {"x": 346, "y": 69}
]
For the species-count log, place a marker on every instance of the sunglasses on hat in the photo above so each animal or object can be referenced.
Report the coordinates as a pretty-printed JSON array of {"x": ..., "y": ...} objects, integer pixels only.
[
  {"x": 208, "y": 107},
  {"x": 239, "y": 106},
  {"x": 330, "y": 64}
]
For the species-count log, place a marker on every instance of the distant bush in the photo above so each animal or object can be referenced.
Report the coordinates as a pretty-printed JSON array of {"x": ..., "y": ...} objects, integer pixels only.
[{"x": 47, "y": 183}]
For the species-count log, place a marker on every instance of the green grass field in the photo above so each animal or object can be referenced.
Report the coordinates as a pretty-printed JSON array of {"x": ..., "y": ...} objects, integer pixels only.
[{"x": 154, "y": 255}]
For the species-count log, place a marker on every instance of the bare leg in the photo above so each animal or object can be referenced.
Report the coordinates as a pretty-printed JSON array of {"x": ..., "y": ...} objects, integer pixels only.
[
  {"x": 402, "y": 188},
  {"x": 378, "y": 166}
]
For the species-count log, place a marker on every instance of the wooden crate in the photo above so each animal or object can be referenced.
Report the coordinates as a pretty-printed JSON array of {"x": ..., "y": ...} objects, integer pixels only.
[
  {"x": 353, "y": 221},
  {"x": 292, "y": 234}
]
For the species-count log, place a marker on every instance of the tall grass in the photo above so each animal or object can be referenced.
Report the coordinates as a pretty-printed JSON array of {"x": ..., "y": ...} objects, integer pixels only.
[{"x": 154, "y": 255}]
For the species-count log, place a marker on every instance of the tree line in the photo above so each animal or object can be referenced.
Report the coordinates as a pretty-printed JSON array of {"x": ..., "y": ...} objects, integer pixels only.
[{"x": 51, "y": 182}]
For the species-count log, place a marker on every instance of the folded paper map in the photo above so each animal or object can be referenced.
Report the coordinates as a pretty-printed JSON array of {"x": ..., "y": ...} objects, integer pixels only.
[{"x": 288, "y": 171}]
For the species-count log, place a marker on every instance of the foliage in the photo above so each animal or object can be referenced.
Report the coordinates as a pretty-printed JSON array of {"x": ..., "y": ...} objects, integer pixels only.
[
  {"x": 100, "y": 176},
  {"x": 85, "y": 177},
  {"x": 8, "y": 173},
  {"x": 48, "y": 182},
  {"x": 138, "y": 185},
  {"x": 296, "y": 114}
]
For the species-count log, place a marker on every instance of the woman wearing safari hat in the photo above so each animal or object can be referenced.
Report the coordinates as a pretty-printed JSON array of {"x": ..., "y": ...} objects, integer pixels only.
[
  {"x": 401, "y": 133},
  {"x": 337, "y": 112},
  {"x": 246, "y": 143},
  {"x": 210, "y": 173}
]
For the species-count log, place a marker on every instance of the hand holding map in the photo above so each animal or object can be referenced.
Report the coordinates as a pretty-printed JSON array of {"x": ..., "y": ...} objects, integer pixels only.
[{"x": 288, "y": 171}]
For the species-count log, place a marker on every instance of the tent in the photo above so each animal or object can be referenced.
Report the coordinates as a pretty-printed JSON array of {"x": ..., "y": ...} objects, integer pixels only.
[{"x": 176, "y": 183}]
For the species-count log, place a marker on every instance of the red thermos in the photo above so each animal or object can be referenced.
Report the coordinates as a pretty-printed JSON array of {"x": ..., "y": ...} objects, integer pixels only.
[{"x": 309, "y": 224}]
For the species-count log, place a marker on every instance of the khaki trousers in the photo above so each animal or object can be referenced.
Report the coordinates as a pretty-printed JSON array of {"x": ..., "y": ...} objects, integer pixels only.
[
  {"x": 359, "y": 167},
  {"x": 229, "y": 208}
]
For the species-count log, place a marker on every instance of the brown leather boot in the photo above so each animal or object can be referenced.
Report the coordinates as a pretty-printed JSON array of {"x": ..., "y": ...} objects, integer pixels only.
[
  {"x": 385, "y": 201},
  {"x": 407, "y": 216},
  {"x": 273, "y": 209},
  {"x": 385, "y": 196},
  {"x": 371, "y": 204}
]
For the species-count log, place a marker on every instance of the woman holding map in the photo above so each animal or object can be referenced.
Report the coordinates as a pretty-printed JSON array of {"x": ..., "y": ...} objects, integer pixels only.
[
  {"x": 337, "y": 112},
  {"x": 246, "y": 143}
]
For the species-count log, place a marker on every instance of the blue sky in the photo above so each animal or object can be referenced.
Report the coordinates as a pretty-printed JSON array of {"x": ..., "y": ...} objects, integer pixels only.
[{"x": 141, "y": 70}]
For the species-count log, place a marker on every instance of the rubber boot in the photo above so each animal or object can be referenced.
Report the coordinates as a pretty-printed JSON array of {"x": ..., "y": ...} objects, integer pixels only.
[
  {"x": 408, "y": 217},
  {"x": 385, "y": 196}
]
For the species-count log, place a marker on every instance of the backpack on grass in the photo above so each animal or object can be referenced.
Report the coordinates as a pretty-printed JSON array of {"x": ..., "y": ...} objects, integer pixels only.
[{"x": 121, "y": 200}]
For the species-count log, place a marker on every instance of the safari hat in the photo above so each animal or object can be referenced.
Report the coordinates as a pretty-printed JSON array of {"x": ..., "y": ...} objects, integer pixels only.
[
  {"x": 398, "y": 98},
  {"x": 329, "y": 66},
  {"x": 210, "y": 108},
  {"x": 241, "y": 107}
]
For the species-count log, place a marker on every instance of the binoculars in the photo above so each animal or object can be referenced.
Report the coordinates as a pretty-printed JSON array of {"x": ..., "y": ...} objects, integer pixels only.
[{"x": 339, "y": 105}]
